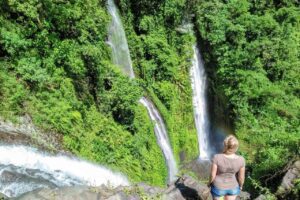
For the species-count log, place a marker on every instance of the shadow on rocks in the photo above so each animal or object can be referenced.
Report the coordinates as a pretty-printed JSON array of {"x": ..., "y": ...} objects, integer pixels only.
[
  {"x": 186, "y": 188},
  {"x": 187, "y": 192}
]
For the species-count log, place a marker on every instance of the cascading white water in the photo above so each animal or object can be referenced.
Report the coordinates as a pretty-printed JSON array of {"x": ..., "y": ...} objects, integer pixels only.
[
  {"x": 118, "y": 42},
  {"x": 198, "y": 77},
  {"x": 162, "y": 137},
  {"x": 24, "y": 169},
  {"x": 121, "y": 57}
]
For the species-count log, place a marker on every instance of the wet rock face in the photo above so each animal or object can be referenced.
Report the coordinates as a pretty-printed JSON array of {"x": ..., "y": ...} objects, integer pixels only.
[
  {"x": 26, "y": 133},
  {"x": 22, "y": 132},
  {"x": 25, "y": 126}
]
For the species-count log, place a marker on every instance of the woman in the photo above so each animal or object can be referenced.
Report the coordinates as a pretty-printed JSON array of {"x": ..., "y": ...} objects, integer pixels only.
[{"x": 227, "y": 171}]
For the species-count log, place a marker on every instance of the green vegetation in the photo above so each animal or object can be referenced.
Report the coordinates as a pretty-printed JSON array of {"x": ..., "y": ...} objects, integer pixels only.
[
  {"x": 55, "y": 66},
  {"x": 253, "y": 49},
  {"x": 161, "y": 57}
]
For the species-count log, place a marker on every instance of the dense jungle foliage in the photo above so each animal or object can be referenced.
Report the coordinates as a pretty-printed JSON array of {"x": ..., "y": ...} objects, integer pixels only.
[
  {"x": 252, "y": 50},
  {"x": 56, "y": 67},
  {"x": 162, "y": 58}
]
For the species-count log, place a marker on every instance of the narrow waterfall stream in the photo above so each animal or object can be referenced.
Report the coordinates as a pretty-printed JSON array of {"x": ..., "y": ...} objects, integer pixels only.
[
  {"x": 118, "y": 42},
  {"x": 198, "y": 79},
  {"x": 162, "y": 137},
  {"x": 23, "y": 169},
  {"x": 121, "y": 57}
]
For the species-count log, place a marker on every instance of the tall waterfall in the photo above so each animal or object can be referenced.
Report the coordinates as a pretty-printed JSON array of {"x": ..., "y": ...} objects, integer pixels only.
[
  {"x": 24, "y": 169},
  {"x": 121, "y": 57},
  {"x": 198, "y": 77}
]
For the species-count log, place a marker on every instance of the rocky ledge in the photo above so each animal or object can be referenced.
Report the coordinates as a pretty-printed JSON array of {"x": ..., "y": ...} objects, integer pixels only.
[{"x": 182, "y": 189}]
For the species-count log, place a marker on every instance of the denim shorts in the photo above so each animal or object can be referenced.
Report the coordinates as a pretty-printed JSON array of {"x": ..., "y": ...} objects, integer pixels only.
[{"x": 218, "y": 192}]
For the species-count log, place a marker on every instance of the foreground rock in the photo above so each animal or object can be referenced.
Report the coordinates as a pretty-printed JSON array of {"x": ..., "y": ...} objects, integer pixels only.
[
  {"x": 182, "y": 189},
  {"x": 187, "y": 188},
  {"x": 86, "y": 193}
]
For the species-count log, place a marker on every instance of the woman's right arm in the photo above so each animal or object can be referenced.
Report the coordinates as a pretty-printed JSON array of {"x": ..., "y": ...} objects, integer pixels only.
[
  {"x": 213, "y": 173},
  {"x": 241, "y": 177}
]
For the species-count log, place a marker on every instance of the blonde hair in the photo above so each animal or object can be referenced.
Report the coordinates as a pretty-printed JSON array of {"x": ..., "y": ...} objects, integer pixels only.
[{"x": 231, "y": 144}]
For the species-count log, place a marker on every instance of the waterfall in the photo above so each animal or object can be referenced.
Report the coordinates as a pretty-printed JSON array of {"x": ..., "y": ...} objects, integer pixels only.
[
  {"x": 24, "y": 169},
  {"x": 162, "y": 137},
  {"x": 118, "y": 42},
  {"x": 198, "y": 77},
  {"x": 121, "y": 57}
]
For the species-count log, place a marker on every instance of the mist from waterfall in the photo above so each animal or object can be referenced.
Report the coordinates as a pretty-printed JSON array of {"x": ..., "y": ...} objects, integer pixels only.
[{"x": 121, "y": 57}]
